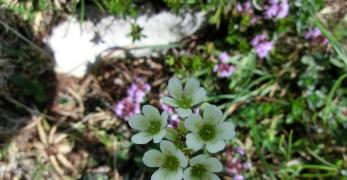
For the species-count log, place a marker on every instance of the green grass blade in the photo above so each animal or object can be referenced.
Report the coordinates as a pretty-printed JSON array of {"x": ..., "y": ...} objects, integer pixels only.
[
  {"x": 336, "y": 45},
  {"x": 331, "y": 96}
]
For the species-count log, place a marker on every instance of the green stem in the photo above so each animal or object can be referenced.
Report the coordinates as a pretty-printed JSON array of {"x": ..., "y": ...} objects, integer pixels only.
[
  {"x": 205, "y": 151},
  {"x": 331, "y": 96}
]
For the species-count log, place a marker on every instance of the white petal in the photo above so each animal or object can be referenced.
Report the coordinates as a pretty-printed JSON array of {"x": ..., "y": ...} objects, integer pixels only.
[
  {"x": 226, "y": 130},
  {"x": 199, "y": 96},
  {"x": 213, "y": 165},
  {"x": 158, "y": 137},
  {"x": 193, "y": 122},
  {"x": 153, "y": 158},
  {"x": 141, "y": 138},
  {"x": 212, "y": 113},
  {"x": 183, "y": 159},
  {"x": 175, "y": 88},
  {"x": 200, "y": 159},
  {"x": 184, "y": 112},
  {"x": 164, "y": 117},
  {"x": 169, "y": 101},
  {"x": 193, "y": 142},
  {"x": 150, "y": 112},
  {"x": 171, "y": 134},
  {"x": 213, "y": 176},
  {"x": 187, "y": 174},
  {"x": 191, "y": 87},
  {"x": 160, "y": 174},
  {"x": 177, "y": 175},
  {"x": 167, "y": 147},
  {"x": 215, "y": 146},
  {"x": 164, "y": 174},
  {"x": 138, "y": 122}
]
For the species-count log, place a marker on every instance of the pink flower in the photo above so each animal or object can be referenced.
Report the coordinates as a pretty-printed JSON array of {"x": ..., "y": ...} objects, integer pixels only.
[
  {"x": 258, "y": 39},
  {"x": 234, "y": 166},
  {"x": 223, "y": 69},
  {"x": 261, "y": 45},
  {"x": 237, "y": 163},
  {"x": 316, "y": 37},
  {"x": 126, "y": 108},
  {"x": 240, "y": 151},
  {"x": 224, "y": 57},
  {"x": 238, "y": 177},
  {"x": 312, "y": 33},
  {"x": 174, "y": 121},
  {"x": 130, "y": 105},
  {"x": 245, "y": 7},
  {"x": 283, "y": 9},
  {"x": 277, "y": 9},
  {"x": 138, "y": 90},
  {"x": 174, "y": 118},
  {"x": 263, "y": 49}
]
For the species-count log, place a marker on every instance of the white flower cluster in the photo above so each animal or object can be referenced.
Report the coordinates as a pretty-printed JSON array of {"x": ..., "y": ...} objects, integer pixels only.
[{"x": 194, "y": 133}]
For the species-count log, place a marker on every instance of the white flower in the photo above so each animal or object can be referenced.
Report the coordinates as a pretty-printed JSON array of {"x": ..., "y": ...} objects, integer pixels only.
[
  {"x": 209, "y": 130},
  {"x": 184, "y": 99},
  {"x": 203, "y": 167},
  {"x": 170, "y": 162},
  {"x": 151, "y": 125}
]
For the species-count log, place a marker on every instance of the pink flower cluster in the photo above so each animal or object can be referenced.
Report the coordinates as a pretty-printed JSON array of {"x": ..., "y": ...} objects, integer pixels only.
[
  {"x": 224, "y": 69},
  {"x": 274, "y": 9},
  {"x": 247, "y": 7},
  {"x": 237, "y": 163},
  {"x": 316, "y": 37},
  {"x": 261, "y": 45},
  {"x": 277, "y": 9},
  {"x": 130, "y": 105},
  {"x": 173, "y": 118}
]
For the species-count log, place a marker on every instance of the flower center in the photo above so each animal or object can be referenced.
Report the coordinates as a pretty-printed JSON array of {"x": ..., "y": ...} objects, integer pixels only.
[
  {"x": 184, "y": 102},
  {"x": 198, "y": 171},
  {"x": 154, "y": 127},
  {"x": 171, "y": 162},
  {"x": 207, "y": 132}
]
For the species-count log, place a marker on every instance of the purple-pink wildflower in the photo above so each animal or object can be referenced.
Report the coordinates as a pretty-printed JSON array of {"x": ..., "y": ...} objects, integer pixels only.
[
  {"x": 138, "y": 90},
  {"x": 238, "y": 177},
  {"x": 316, "y": 37},
  {"x": 135, "y": 96},
  {"x": 261, "y": 45},
  {"x": 224, "y": 57},
  {"x": 174, "y": 121},
  {"x": 174, "y": 118},
  {"x": 126, "y": 108},
  {"x": 237, "y": 163},
  {"x": 245, "y": 7},
  {"x": 224, "y": 69},
  {"x": 276, "y": 9}
]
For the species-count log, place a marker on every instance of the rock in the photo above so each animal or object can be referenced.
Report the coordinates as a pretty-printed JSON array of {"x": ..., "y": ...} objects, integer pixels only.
[{"x": 76, "y": 44}]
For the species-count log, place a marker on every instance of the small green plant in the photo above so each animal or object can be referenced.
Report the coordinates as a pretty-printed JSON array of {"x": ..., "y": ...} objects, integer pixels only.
[
  {"x": 136, "y": 32},
  {"x": 195, "y": 132}
]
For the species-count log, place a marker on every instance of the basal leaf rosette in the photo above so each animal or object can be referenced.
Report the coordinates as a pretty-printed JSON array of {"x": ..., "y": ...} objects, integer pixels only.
[
  {"x": 170, "y": 161},
  {"x": 184, "y": 99},
  {"x": 150, "y": 124},
  {"x": 203, "y": 167},
  {"x": 209, "y": 130}
]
